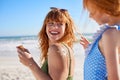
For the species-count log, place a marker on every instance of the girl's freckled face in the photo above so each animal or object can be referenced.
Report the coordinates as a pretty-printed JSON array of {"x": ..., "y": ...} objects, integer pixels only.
[{"x": 55, "y": 30}]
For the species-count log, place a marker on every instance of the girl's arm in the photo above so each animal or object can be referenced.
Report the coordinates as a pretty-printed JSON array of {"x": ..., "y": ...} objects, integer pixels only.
[
  {"x": 37, "y": 72},
  {"x": 57, "y": 62},
  {"x": 119, "y": 55},
  {"x": 27, "y": 60},
  {"x": 110, "y": 51}
]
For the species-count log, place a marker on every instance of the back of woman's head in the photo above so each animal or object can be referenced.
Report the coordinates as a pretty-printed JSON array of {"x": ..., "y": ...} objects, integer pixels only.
[
  {"x": 111, "y": 7},
  {"x": 57, "y": 15}
]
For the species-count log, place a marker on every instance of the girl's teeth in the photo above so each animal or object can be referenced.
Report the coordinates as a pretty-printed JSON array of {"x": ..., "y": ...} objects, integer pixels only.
[{"x": 54, "y": 32}]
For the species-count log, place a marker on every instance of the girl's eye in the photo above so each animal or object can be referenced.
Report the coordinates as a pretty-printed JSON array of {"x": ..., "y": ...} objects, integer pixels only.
[
  {"x": 59, "y": 24},
  {"x": 50, "y": 24}
]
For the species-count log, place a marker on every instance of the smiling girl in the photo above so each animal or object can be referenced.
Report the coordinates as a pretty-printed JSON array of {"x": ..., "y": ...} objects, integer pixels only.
[{"x": 56, "y": 39}]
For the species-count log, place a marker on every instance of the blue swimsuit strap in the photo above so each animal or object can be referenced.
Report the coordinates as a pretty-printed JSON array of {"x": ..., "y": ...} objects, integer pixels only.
[
  {"x": 99, "y": 37},
  {"x": 118, "y": 28}
]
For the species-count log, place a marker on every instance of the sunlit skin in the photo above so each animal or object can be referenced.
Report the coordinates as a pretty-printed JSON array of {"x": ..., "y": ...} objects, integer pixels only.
[{"x": 84, "y": 42}]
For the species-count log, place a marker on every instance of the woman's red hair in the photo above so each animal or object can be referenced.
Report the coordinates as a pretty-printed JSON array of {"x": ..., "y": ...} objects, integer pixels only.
[{"x": 68, "y": 38}]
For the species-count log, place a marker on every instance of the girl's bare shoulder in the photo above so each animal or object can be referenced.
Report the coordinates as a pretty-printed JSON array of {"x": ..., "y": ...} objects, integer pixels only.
[
  {"x": 57, "y": 49},
  {"x": 111, "y": 35}
]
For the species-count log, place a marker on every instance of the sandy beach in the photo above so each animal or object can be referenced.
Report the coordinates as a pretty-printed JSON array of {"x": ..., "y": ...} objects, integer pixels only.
[{"x": 12, "y": 69}]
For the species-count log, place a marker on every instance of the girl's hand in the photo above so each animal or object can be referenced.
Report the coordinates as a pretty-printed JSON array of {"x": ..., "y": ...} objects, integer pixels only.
[
  {"x": 84, "y": 42},
  {"x": 24, "y": 56}
]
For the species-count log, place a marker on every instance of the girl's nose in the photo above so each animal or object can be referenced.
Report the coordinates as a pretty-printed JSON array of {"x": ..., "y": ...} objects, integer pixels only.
[{"x": 55, "y": 25}]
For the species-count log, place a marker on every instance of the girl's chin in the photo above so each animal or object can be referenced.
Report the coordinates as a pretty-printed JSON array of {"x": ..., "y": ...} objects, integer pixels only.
[
  {"x": 101, "y": 24},
  {"x": 54, "y": 40}
]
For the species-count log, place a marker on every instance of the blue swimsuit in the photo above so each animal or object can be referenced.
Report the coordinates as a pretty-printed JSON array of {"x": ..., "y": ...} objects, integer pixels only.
[{"x": 95, "y": 65}]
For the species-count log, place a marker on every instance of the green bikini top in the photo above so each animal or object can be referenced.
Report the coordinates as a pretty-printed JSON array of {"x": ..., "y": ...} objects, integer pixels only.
[{"x": 45, "y": 66}]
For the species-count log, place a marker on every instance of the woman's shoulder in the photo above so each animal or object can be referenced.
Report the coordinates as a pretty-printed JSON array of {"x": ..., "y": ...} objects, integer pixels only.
[
  {"x": 58, "y": 49},
  {"x": 111, "y": 35}
]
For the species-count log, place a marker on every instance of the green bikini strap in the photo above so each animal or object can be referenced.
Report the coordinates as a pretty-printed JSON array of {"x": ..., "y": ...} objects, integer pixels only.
[{"x": 69, "y": 59}]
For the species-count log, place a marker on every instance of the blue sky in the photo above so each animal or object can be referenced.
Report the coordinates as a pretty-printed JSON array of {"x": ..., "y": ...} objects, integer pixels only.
[{"x": 25, "y": 17}]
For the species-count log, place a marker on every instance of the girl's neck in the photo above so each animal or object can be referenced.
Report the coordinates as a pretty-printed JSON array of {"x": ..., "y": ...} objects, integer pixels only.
[{"x": 52, "y": 42}]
